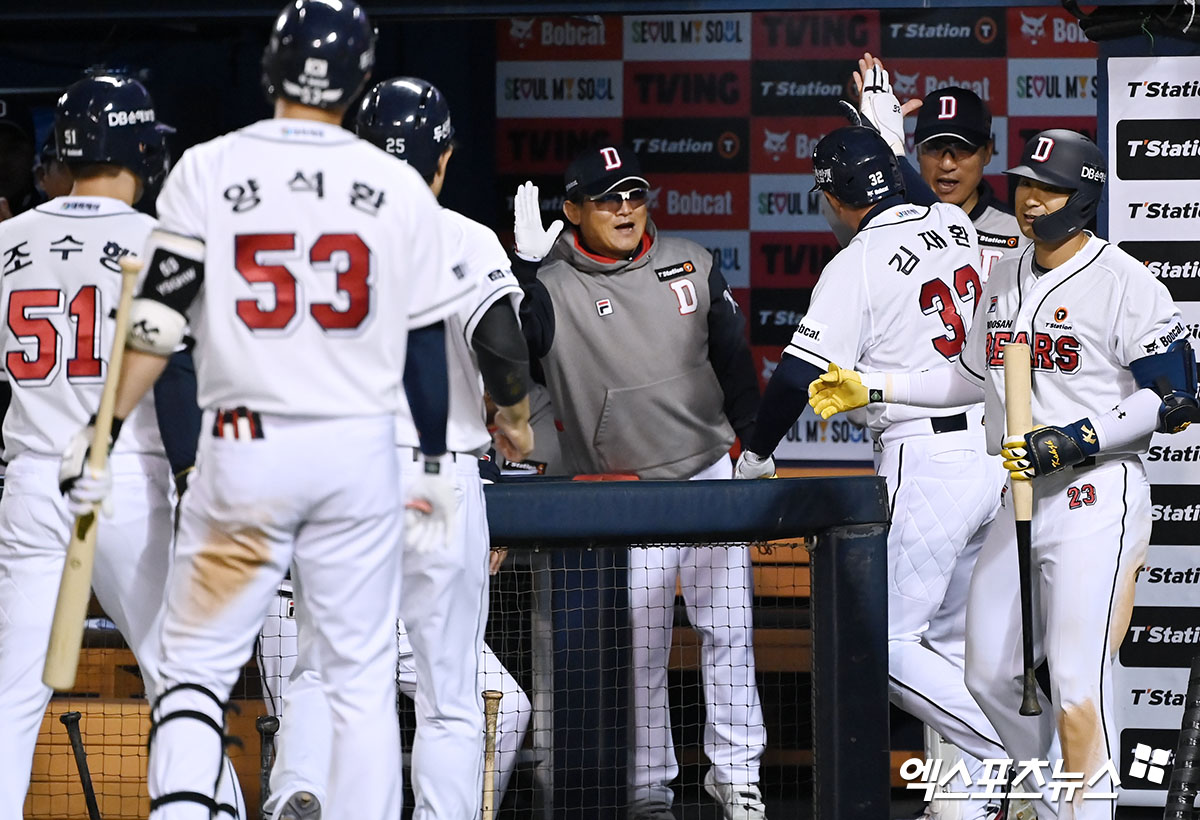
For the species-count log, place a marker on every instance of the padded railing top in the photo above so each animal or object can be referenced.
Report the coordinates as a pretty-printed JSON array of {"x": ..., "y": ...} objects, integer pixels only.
[{"x": 547, "y": 512}]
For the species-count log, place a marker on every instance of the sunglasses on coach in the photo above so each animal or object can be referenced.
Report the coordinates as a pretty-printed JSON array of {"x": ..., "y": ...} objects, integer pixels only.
[
  {"x": 940, "y": 145},
  {"x": 611, "y": 201}
]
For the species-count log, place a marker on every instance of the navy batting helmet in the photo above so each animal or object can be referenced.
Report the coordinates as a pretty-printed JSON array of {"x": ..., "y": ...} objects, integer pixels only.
[
  {"x": 320, "y": 53},
  {"x": 1068, "y": 160},
  {"x": 408, "y": 118},
  {"x": 856, "y": 165},
  {"x": 108, "y": 118}
]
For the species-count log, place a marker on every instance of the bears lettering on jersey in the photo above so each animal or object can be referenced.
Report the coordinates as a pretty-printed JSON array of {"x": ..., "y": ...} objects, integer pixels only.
[{"x": 1048, "y": 352}]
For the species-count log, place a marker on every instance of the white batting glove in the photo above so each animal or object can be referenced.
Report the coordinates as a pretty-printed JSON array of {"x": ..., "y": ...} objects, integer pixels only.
[
  {"x": 752, "y": 465},
  {"x": 83, "y": 488},
  {"x": 533, "y": 241},
  {"x": 880, "y": 106},
  {"x": 430, "y": 507},
  {"x": 91, "y": 490}
]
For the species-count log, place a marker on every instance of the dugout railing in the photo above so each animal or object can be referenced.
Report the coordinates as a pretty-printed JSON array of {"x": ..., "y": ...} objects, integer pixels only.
[
  {"x": 570, "y": 544},
  {"x": 582, "y": 526}
]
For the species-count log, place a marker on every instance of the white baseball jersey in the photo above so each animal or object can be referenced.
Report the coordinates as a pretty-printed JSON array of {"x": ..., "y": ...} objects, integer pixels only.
[
  {"x": 61, "y": 283},
  {"x": 298, "y": 219},
  {"x": 1084, "y": 322},
  {"x": 899, "y": 297},
  {"x": 480, "y": 264}
]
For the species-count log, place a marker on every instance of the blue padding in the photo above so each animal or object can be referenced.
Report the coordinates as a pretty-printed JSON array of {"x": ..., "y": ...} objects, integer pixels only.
[
  {"x": 615, "y": 513},
  {"x": 1172, "y": 371}
]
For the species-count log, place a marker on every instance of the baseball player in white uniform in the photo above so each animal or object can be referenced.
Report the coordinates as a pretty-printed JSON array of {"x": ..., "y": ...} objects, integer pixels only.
[
  {"x": 902, "y": 293},
  {"x": 308, "y": 263},
  {"x": 1106, "y": 350},
  {"x": 443, "y": 663},
  {"x": 954, "y": 144},
  {"x": 61, "y": 278}
]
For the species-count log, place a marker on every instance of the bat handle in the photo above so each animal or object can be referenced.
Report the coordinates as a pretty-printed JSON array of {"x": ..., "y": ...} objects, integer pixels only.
[
  {"x": 1029, "y": 685},
  {"x": 1029, "y": 698},
  {"x": 491, "y": 715},
  {"x": 267, "y": 726},
  {"x": 71, "y": 721}
]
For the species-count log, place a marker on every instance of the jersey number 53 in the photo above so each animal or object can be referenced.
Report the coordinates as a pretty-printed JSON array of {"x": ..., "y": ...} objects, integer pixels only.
[{"x": 344, "y": 254}]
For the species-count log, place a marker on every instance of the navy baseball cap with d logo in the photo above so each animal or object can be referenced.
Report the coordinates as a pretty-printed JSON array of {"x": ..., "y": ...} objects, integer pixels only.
[
  {"x": 954, "y": 112},
  {"x": 602, "y": 169}
]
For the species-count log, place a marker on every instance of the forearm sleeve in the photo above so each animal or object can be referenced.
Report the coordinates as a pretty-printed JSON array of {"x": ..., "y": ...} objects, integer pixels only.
[
  {"x": 502, "y": 354},
  {"x": 943, "y": 386},
  {"x": 177, "y": 411},
  {"x": 782, "y": 403},
  {"x": 729, "y": 355},
  {"x": 1134, "y": 418},
  {"x": 537, "y": 319},
  {"x": 427, "y": 386}
]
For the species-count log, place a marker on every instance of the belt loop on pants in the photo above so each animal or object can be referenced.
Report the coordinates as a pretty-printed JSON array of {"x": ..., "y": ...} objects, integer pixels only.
[
  {"x": 239, "y": 423},
  {"x": 949, "y": 424}
]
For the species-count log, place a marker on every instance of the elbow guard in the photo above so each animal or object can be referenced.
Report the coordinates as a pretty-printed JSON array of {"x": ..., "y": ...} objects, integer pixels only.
[
  {"x": 154, "y": 327},
  {"x": 1172, "y": 375}
]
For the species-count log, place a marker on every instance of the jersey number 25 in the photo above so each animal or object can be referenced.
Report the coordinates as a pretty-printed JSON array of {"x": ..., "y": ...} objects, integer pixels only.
[{"x": 936, "y": 298}]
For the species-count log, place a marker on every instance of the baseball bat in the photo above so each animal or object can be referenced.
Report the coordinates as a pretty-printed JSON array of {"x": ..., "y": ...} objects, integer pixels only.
[
  {"x": 267, "y": 726},
  {"x": 1017, "y": 392},
  {"x": 1185, "y": 773},
  {"x": 74, "y": 590},
  {"x": 71, "y": 721},
  {"x": 491, "y": 714}
]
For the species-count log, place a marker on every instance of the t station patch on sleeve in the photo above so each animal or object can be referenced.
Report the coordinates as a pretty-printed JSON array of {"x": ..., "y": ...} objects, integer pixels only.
[{"x": 670, "y": 272}]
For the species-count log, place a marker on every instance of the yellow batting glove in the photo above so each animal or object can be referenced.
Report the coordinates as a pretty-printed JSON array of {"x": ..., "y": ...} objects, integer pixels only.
[
  {"x": 1015, "y": 452},
  {"x": 837, "y": 391}
]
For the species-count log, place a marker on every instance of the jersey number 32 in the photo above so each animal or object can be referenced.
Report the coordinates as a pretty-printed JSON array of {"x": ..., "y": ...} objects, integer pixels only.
[{"x": 935, "y": 297}]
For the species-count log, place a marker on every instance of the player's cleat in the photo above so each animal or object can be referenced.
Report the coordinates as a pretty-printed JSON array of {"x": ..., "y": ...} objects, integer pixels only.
[
  {"x": 738, "y": 802},
  {"x": 649, "y": 810},
  {"x": 300, "y": 806}
]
